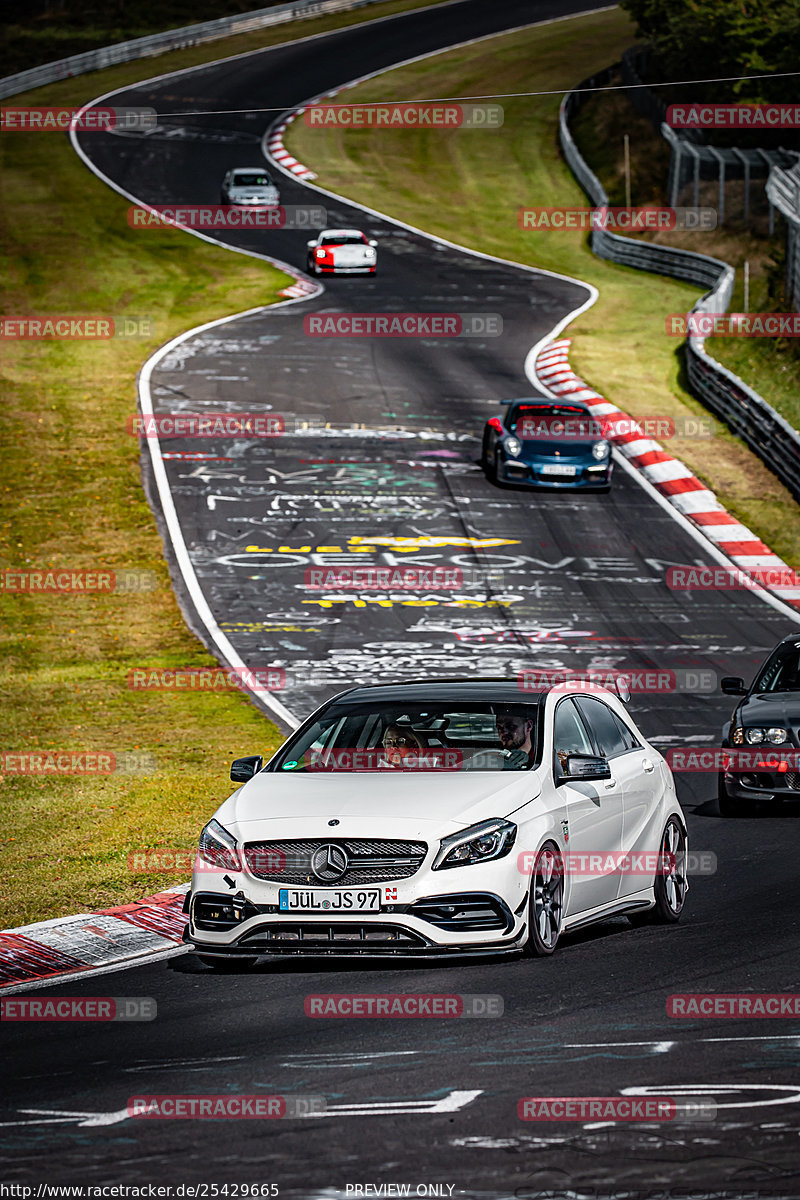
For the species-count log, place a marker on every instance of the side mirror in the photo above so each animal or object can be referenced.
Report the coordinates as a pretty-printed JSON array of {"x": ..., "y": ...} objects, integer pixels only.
[
  {"x": 583, "y": 768},
  {"x": 313, "y": 242},
  {"x": 243, "y": 769},
  {"x": 733, "y": 686},
  {"x": 372, "y": 242},
  {"x": 622, "y": 684}
]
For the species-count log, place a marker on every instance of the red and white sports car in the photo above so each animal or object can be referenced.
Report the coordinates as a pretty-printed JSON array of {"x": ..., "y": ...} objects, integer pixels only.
[{"x": 342, "y": 252}]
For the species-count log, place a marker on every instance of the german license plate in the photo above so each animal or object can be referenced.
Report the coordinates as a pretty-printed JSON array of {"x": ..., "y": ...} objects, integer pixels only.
[
  {"x": 327, "y": 901},
  {"x": 559, "y": 469}
]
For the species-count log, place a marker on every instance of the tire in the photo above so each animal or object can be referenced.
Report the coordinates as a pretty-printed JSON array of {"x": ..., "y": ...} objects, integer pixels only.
[
  {"x": 546, "y": 903},
  {"x": 670, "y": 887},
  {"x": 729, "y": 806},
  {"x": 486, "y": 462},
  {"x": 489, "y": 463},
  {"x": 229, "y": 964}
]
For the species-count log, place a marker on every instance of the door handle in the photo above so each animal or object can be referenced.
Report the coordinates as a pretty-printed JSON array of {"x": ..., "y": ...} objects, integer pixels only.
[
  {"x": 610, "y": 784},
  {"x": 647, "y": 765}
]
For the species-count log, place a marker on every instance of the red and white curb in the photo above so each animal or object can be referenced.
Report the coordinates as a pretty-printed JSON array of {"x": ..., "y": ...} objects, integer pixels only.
[
  {"x": 670, "y": 477},
  {"x": 274, "y": 147},
  {"x": 89, "y": 941},
  {"x": 278, "y": 152},
  {"x": 303, "y": 287}
]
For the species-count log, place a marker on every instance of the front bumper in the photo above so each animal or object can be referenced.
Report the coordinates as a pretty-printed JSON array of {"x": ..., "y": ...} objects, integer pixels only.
[
  {"x": 448, "y": 923},
  {"x": 328, "y": 270},
  {"x": 763, "y": 785},
  {"x": 528, "y": 473}
]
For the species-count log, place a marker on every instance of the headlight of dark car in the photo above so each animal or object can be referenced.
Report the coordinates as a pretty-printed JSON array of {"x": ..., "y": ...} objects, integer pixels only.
[
  {"x": 513, "y": 446},
  {"x": 218, "y": 847},
  {"x": 480, "y": 843},
  {"x": 756, "y": 735},
  {"x": 600, "y": 450}
]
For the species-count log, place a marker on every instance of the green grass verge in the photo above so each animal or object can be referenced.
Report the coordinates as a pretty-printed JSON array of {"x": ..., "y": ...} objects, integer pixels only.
[
  {"x": 468, "y": 186},
  {"x": 770, "y": 365},
  {"x": 72, "y": 498}
]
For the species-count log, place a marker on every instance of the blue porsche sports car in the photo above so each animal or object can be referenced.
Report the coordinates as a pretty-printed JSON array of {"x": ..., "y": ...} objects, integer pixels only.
[{"x": 547, "y": 443}]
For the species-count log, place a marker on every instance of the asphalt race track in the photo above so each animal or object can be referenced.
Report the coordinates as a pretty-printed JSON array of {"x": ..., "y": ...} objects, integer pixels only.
[{"x": 558, "y": 581}]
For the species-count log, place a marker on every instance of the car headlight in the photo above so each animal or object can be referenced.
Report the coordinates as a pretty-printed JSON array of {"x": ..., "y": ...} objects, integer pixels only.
[
  {"x": 218, "y": 847},
  {"x": 600, "y": 449},
  {"x": 320, "y": 252},
  {"x": 756, "y": 735},
  {"x": 513, "y": 446},
  {"x": 480, "y": 843},
  {"x": 370, "y": 253}
]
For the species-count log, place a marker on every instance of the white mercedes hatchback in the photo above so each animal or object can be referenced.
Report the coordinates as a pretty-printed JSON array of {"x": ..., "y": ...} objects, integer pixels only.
[{"x": 435, "y": 818}]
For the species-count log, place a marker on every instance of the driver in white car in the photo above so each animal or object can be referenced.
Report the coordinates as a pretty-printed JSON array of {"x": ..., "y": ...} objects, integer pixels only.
[{"x": 514, "y": 731}]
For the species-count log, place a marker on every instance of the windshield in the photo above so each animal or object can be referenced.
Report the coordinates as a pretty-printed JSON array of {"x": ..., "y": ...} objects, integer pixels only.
[
  {"x": 435, "y": 737},
  {"x": 549, "y": 422},
  {"x": 346, "y": 239},
  {"x": 782, "y": 672},
  {"x": 251, "y": 179}
]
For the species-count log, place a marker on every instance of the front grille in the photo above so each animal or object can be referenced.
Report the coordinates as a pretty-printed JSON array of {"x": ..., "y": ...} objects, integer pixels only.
[{"x": 289, "y": 861}]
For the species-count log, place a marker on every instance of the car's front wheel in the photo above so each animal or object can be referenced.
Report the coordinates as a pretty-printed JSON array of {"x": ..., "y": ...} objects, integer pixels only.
[
  {"x": 546, "y": 906},
  {"x": 489, "y": 461},
  {"x": 671, "y": 883}
]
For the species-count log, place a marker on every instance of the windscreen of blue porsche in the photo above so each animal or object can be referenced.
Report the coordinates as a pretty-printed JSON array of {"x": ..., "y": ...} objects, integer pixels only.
[
  {"x": 448, "y": 737},
  {"x": 782, "y": 672},
  {"x": 549, "y": 422}
]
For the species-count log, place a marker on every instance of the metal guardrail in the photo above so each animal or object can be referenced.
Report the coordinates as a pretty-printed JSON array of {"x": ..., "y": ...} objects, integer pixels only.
[
  {"x": 170, "y": 39},
  {"x": 764, "y": 430},
  {"x": 783, "y": 192}
]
